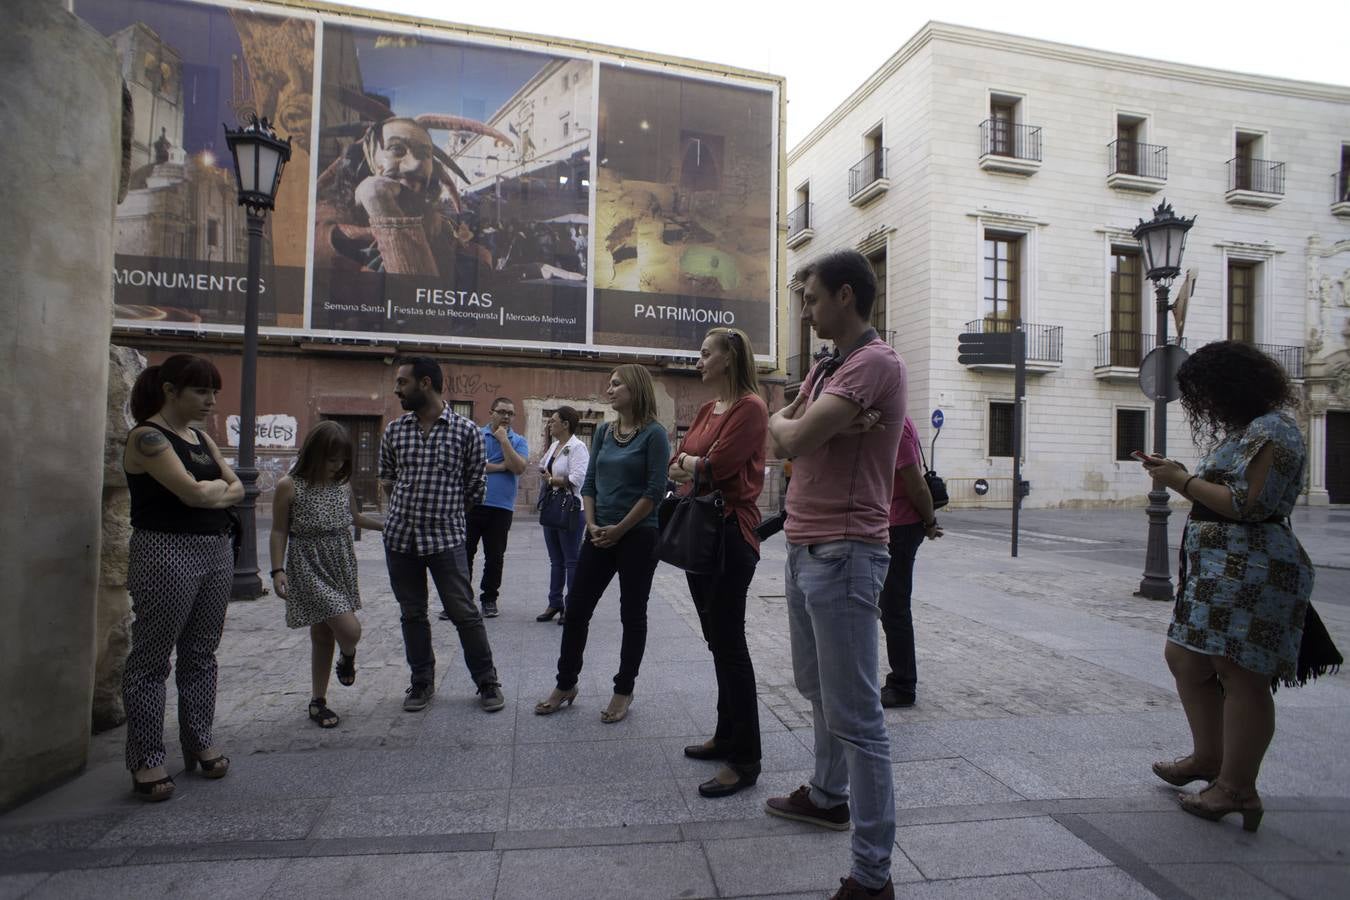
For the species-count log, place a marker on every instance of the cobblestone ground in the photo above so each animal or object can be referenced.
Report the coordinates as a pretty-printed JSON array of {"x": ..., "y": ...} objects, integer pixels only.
[
  {"x": 1023, "y": 772},
  {"x": 967, "y": 670}
]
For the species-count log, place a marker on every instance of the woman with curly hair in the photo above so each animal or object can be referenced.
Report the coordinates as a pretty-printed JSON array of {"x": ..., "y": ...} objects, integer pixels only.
[{"x": 1245, "y": 580}]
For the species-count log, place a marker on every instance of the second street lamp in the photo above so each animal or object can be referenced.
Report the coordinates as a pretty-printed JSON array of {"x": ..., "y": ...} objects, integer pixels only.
[
  {"x": 259, "y": 158},
  {"x": 1164, "y": 240}
]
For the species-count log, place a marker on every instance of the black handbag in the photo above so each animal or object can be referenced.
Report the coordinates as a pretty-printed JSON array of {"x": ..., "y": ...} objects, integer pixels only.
[
  {"x": 558, "y": 506},
  {"x": 937, "y": 488},
  {"x": 692, "y": 530}
]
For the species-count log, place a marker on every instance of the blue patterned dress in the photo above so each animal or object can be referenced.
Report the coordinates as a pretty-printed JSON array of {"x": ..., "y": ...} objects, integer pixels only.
[{"x": 1249, "y": 581}]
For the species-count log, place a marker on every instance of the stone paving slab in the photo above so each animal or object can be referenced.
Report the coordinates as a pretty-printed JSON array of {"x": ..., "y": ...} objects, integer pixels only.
[
  {"x": 788, "y": 864},
  {"x": 1098, "y": 884},
  {"x": 644, "y": 870},
  {"x": 387, "y": 877},
  {"x": 174, "y": 881},
  {"x": 1005, "y": 846}
]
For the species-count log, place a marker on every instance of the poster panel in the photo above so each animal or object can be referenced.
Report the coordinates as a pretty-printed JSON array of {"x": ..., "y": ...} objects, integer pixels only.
[
  {"x": 684, "y": 215},
  {"x": 181, "y": 242},
  {"x": 453, "y": 193}
]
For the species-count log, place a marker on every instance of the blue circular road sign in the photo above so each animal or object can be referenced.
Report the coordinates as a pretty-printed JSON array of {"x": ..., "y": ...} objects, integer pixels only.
[{"x": 937, "y": 418}]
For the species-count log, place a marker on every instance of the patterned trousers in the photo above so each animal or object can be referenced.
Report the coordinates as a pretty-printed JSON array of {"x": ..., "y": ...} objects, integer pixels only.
[{"x": 180, "y": 586}]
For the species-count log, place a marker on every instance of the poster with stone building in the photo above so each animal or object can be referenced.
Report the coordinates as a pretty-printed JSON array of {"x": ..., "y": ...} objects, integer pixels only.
[
  {"x": 684, "y": 209},
  {"x": 454, "y": 190},
  {"x": 181, "y": 240}
]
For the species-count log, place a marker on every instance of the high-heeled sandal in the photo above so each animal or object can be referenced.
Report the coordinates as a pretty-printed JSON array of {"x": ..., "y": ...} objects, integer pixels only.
[
  {"x": 146, "y": 790},
  {"x": 215, "y": 767},
  {"x": 345, "y": 670},
  {"x": 610, "y": 716},
  {"x": 1182, "y": 771},
  {"x": 547, "y": 708},
  {"x": 321, "y": 715},
  {"x": 1232, "y": 802}
]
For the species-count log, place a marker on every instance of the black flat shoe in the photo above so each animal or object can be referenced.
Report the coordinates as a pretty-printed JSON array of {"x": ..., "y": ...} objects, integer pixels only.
[
  {"x": 712, "y": 788},
  {"x": 547, "y": 614},
  {"x": 703, "y": 751}
]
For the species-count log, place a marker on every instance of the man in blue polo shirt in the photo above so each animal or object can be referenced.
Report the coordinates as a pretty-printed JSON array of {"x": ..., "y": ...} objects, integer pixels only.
[{"x": 490, "y": 521}]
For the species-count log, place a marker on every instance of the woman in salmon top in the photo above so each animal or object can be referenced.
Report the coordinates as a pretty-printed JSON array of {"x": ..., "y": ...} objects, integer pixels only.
[{"x": 726, "y": 445}]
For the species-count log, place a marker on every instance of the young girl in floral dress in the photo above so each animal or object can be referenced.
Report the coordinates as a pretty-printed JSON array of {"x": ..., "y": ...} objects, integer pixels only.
[{"x": 312, "y": 514}]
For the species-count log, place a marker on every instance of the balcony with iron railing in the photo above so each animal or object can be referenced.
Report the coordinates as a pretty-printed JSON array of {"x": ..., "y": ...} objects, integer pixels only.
[
  {"x": 1120, "y": 352},
  {"x": 1255, "y": 182},
  {"x": 1288, "y": 356},
  {"x": 1134, "y": 166},
  {"x": 1045, "y": 345},
  {"x": 1340, "y": 193},
  {"x": 1009, "y": 148},
  {"x": 869, "y": 179},
  {"x": 800, "y": 229}
]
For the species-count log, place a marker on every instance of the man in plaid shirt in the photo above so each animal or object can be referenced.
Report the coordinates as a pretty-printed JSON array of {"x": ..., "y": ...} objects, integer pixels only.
[{"x": 431, "y": 469}]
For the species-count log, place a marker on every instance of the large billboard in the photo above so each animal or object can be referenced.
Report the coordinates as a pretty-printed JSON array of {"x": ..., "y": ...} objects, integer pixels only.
[{"x": 444, "y": 187}]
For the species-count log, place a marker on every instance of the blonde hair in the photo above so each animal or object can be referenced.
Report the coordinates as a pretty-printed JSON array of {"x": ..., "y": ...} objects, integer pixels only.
[
  {"x": 639, "y": 383},
  {"x": 737, "y": 343}
]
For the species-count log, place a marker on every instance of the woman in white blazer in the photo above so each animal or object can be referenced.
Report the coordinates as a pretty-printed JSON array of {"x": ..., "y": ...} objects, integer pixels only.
[{"x": 563, "y": 466}]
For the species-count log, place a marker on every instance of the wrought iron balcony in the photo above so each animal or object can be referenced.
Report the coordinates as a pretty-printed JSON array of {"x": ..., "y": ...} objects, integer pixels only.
[
  {"x": 1045, "y": 343},
  {"x": 869, "y": 178},
  {"x": 1120, "y": 352},
  {"x": 1290, "y": 358},
  {"x": 1340, "y": 193},
  {"x": 1134, "y": 166},
  {"x": 800, "y": 228},
  {"x": 1009, "y": 148},
  {"x": 1255, "y": 182}
]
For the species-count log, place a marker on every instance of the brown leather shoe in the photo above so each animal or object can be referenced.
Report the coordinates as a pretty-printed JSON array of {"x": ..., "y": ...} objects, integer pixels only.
[
  {"x": 798, "y": 807},
  {"x": 853, "y": 890}
]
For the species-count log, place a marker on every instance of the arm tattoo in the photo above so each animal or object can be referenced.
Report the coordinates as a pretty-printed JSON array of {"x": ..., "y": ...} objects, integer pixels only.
[{"x": 151, "y": 443}]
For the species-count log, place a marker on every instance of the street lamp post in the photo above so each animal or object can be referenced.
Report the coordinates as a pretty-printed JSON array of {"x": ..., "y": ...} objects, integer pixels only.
[
  {"x": 1164, "y": 239},
  {"x": 259, "y": 157}
]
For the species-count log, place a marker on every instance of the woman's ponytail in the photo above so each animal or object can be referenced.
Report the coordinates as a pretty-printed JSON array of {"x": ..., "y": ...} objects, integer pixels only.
[{"x": 147, "y": 395}]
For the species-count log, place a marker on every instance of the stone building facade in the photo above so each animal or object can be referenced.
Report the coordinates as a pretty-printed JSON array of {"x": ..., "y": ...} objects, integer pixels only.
[{"x": 992, "y": 177}]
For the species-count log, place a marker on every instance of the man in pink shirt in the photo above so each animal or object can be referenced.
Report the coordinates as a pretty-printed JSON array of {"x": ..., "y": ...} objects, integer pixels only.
[
  {"x": 912, "y": 519},
  {"x": 842, "y": 433}
]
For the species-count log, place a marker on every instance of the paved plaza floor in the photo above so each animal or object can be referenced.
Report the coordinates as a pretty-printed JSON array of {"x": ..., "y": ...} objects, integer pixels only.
[{"x": 1022, "y": 772}]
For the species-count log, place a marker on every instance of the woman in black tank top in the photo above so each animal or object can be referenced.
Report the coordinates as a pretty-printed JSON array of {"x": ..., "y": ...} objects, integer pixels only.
[{"x": 179, "y": 570}]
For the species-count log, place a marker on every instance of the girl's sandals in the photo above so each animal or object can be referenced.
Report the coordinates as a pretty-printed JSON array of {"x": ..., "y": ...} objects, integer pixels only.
[
  {"x": 1181, "y": 772},
  {"x": 152, "y": 791},
  {"x": 345, "y": 670},
  {"x": 617, "y": 710},
  {"x": 1217, "y": 801},
  {"x": 321, "y": 715},
  {"x": 555, "y": 702}
]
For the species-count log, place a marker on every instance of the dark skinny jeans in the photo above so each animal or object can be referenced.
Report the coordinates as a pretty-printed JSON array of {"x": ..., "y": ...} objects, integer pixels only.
[
  {"x": 720, "y": 601},
  {"x": 896, "y": 618},
  {"x": 634, "y": 560}
]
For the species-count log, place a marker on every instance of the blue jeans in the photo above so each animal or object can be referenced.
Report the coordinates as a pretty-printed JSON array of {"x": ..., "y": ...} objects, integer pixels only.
[
  {"x": 563, "y": 548},
  {"x": 832, "y": 591}
]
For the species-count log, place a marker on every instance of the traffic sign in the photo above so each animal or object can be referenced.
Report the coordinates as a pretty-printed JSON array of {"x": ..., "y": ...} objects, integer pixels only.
[
  {"x": 937, "y": 419},
  {"x": 1158, "y": 372},
  {"x": 981, "y": 487},
  {"x": 985, "y": 347}
]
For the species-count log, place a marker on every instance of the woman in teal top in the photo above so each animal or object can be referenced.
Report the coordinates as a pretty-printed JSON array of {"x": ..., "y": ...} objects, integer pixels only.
[
  {"x": 625, "y": 481},
  {"x": 1238, "y": 621}
]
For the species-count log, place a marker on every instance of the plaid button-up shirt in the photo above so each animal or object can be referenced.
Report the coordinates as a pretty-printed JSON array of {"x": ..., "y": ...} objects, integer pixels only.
[{"x": 437, "y": 480}]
